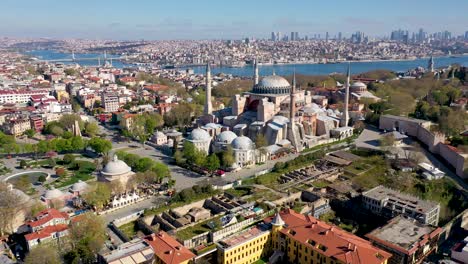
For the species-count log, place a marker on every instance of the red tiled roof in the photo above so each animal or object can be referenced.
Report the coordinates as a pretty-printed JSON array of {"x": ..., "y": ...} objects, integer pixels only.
[
  {"x": 45, "y": 216},
  {"x": 46, "y": 232},
  {"x": 168, "y": 249},
  {"x": 334, "y": 241}
]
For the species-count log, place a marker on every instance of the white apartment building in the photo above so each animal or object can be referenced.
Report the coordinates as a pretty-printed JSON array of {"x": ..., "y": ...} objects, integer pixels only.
[
  {"x": 110, "y": 102},
  {"x": 19, "y": 96}
]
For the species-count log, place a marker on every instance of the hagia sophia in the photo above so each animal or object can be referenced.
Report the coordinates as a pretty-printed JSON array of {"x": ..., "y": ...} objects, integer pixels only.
[{"x": 290, "y": 119}]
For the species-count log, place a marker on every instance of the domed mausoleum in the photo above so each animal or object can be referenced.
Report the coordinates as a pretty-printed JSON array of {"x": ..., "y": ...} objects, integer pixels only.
[
  {"x": 200, "y": 139},
  {"x": 116, "y": 171}
]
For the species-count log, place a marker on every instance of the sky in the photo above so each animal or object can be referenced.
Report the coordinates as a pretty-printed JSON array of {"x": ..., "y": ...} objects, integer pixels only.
[{"x": 221, "y": 19}]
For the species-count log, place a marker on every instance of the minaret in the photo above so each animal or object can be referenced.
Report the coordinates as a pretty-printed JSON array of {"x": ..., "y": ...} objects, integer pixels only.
[
  {"x": 345, "y": 116},
  {"x": 293, "y": 129},
  {"x": 292, "y": 99},
  {"x": 255, "y": 72},
  {"x": 208, "y": 106},
  {"x": 430, "y": 65}
]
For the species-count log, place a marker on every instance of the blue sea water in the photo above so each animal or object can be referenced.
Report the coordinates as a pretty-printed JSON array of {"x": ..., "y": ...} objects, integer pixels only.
[{"x": 282, "y": 69}]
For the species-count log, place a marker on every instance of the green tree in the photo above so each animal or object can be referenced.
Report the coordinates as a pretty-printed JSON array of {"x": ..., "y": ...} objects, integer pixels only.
[
  {"x": 144, "y": 164},
  {"x": 189, "y": 152},
  {"x": 68, "y": 120},
  {"x": 162, "y": 170},
  {"x": 99, "y": 195},
  {"x": 77, "y": 143},
  {"x": 261, "y": 141},
  {"x": 91, "y": 129},
  {"x": 23, "y": 164},
  {"x": 51, "y": 162},
  {"x": 30, "y": 133},
  {"x": 227, "y": 158},
  {"x": 178, "y": 157},
  {"x": 68, "y": 158},
  {"x": 212, "y": 163},
  {"x": 99, "y": 145},
  {"x": 87, "y": 236},
  {"x": 43, "y": 254}
]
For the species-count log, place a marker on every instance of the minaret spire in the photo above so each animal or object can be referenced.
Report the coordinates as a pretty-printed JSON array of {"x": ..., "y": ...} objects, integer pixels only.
[
  {"x": 208, "y": 107},
  {"x": 255, "y": 72},
  {"x": 292, "y": 100},
  {"x": 345, "y": 116},
  {"x": 431, "y": 64}
]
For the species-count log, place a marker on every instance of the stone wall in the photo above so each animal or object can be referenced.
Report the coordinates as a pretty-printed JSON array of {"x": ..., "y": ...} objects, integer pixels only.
[{"x": 458, "y": 160}]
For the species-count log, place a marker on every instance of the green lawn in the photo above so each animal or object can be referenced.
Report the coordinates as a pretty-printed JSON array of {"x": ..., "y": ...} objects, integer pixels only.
[
  {"x": 320, "y": 184},
  {"x": 83, "y": 173},
  {"x": 443, "y": 191},
  {"x": 129, "y": 229},
  {"x": 239, "y": 191},
  {"x": 198, "y": 229}
]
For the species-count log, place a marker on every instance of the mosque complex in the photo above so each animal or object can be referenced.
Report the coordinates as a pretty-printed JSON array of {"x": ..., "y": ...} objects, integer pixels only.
[{"x": 289, "y": 118}]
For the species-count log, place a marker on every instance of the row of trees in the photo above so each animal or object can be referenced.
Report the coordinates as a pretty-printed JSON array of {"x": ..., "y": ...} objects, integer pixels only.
[
  {"x": 73, "y": 144},
  {"x": 193, "y": 156},
  {"x": 144, "y": 164}
]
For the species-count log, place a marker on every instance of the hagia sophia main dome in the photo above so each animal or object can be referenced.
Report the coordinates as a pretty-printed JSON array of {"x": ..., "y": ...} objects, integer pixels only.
[{"x": 272, "y": 84}]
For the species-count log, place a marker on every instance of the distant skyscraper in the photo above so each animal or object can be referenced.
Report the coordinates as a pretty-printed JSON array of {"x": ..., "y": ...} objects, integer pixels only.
[
  {"x": 466, "y": 35},
  {"x": 296, "y": 36},
  {"x": 292, "y": 36},
  {"x": 273, "y": 36},
  {"x": 340, "y": 36},
  {"x": 326, "y": 36}
]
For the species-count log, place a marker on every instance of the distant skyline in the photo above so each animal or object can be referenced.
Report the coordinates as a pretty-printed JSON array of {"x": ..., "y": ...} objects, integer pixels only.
[{"x": 210, "y": 19}]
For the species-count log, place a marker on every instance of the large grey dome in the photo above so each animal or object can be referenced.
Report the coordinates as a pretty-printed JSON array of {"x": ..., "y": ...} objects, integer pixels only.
[
  {"x": 199, "y": 134},
  {"x": 242, "y": 143},
  {"x": 116, "y": 167},
  {"x": 226, "y": 137},
  {"x": 273, "y": 84}
]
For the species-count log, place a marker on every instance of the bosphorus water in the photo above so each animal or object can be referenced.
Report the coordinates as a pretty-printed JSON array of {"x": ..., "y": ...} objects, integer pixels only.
[{"x": 280, "y": 69}]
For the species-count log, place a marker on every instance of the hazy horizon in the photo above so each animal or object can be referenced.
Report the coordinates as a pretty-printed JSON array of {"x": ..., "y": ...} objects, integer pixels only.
[{"x": 155, "y": 20}]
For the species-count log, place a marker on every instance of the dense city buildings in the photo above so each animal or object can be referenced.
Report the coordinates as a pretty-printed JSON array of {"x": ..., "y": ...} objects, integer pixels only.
[{"x": 233, "y": 149}]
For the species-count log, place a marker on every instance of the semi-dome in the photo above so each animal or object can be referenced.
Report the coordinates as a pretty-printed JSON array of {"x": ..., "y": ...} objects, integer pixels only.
[
  {"x": 199, "y": 134},
  {"x": 273, "y": 84},
  {"x": 226, "y": 137},
  {"x": 116, "y": 167},
  {"x": 242, "y": 143},
  {"x": 53, "y": 194},
  {"x": 79, "y": 186}
]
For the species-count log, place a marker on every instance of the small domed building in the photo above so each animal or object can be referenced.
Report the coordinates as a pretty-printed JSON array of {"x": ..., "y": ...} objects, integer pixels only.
[
  {"x": 116, "y": 171},
  {"x": 200, "y": 139},
  {"x": 223, "y": 140},
  {"x": 358, "y": 87},
  {"x": 244, "y": 151}
]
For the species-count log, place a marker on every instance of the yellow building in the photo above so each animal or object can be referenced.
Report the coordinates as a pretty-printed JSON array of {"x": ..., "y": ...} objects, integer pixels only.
[
  {"x": 289, "y": 237},
  {"x": 246, "y": 247}
]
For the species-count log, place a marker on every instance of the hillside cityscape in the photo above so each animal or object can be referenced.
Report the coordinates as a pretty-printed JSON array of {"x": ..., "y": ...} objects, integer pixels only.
[{"x": 333, "y": 147}]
